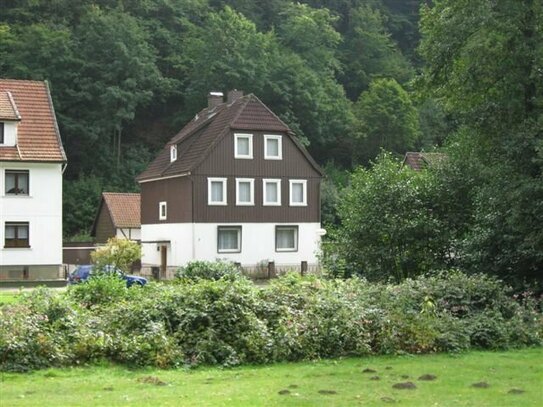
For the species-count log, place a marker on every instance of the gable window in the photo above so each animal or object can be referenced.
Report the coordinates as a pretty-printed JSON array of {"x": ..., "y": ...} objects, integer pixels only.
[
  {"x": 271, "y": 192},
  {"x": 298, "y": 192},
  {"x": 173, "y": 153},
  {"x": 162, "y": 210},
  {"x": 229, "y": 239},
  {"x": 16, "y": 182},
  {"x": 273, "y": 149},
  {"x": 245, "y": 191},
  {"x": 243, "y": 146},
  {"x": 216, "y": 191},
  {"x": 1, "y": 133},
  {"x": 286, "y": 238},
  {"x": 16, "y": 234}
]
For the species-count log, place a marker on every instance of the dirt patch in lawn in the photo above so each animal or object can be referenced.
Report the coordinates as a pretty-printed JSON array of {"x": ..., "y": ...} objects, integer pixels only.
[
  {"x": 404, "y": 386},
  {"x": 516, "y": 391},
  {"x": 387, "y": 399},
  {"x": 327, "y": 392},
  {"x": 152, "y": 380},
  {"x": 481, "y": 385},
  {"x": 368, "y": 370},
  {"x": 283, "y": 392},
  {"x": 375, "y": 378},
  {"x": 427, "y": 377}
]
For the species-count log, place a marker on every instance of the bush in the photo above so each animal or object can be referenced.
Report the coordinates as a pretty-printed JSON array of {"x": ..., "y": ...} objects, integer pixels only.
[
  {"x": 230, "y": 321},
  {"x": 209, "y": 270}
]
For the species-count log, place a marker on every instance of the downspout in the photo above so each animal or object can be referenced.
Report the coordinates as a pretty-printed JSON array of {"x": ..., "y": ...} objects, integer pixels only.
[{"x": 192, "y": 219}]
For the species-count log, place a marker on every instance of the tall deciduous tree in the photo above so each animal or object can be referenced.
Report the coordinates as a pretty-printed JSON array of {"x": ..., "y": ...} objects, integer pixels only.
[
  {"x": 387, "y": 120},
  {"x": 484, "y": 63}
]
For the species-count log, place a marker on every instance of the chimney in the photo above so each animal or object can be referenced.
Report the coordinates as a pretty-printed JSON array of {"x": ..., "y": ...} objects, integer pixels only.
[
  {"x": 233, "y": 95},
  {"x": 214, "y": 99}
]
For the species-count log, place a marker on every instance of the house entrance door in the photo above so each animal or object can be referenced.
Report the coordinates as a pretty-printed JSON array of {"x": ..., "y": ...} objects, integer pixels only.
[{"x": 163, "y": 261}]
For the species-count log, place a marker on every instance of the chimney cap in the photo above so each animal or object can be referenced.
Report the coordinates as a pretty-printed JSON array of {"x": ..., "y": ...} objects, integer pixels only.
[{"x": 216, "y": 94}]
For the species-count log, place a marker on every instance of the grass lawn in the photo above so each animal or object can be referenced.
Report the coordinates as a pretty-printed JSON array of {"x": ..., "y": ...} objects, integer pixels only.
[
  {"x": 326, "y": 383},
  {"x": 8, "y": 297}
]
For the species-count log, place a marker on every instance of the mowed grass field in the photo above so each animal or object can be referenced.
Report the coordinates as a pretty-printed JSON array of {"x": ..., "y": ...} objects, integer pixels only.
[
  {"x": 9, "y": 297},
  {"x": 513, "y": 378}
]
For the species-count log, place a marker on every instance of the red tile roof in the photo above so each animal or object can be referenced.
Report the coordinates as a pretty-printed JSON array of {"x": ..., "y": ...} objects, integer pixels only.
[
  {"x": 124, "y": 208},
  {"x": 38, "y": 138},
  {"x": 200, "y": 136}
]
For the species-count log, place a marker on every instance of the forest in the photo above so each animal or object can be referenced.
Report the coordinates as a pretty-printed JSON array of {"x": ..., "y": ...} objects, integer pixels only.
[{"x": 360, "y": 82}]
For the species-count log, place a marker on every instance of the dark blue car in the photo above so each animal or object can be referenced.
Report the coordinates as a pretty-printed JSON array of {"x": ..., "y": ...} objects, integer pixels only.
[{"x": 83, "y": 272}]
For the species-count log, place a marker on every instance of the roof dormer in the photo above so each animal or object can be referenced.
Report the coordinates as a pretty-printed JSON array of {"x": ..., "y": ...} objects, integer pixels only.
[{"x": 9, "y": 118}]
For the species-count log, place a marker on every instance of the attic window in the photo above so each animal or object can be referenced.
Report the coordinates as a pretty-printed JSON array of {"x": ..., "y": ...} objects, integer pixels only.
[
  {"x": 162, "y": 210},
  {"x": 272, "y": 147},
  {"x": 243, "y": 146},
  {"x": 173, "y": 153}
]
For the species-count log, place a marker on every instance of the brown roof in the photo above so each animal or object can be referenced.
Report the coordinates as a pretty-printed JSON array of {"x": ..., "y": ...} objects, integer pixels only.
[
  {"x": 38, "y": 138},
  {"x": 419, "y": 160},
  {"x": 200, "y": 136},
  {"x": 124, "y": 208}
]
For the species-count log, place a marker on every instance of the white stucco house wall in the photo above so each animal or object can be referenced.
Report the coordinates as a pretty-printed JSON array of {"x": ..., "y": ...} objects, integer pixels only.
[{"x": 32, "y": 161}]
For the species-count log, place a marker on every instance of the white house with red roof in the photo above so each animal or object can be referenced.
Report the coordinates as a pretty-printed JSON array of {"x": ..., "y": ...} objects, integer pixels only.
[{"x": 32, "y": 161}]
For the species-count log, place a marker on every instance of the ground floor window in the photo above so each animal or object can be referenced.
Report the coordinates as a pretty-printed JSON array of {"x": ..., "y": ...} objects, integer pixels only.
[
  {"x": 286, "y": 238},
  {"x": 229, "y": 239},
  {"x": 16, "y": 234}
]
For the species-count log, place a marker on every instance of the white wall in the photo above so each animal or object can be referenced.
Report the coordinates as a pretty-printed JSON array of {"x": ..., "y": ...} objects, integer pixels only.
[
  {"x": 42, "y": 209},
  {"x": 10, "y": 133},
  {"x": 257, "y": 243}
]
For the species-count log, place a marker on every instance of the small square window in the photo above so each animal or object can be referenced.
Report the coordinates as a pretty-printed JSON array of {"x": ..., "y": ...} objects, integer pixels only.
[
  {"x": 162, "y": 210},
  {"x": 216, "y": 191},
  {"x": 271, "y": 192},
  {"x": 273, "y": 147},
  {"x": 16, "y": 234},
  {"x": 286, "y": 238},
  {"x": 229, "y": 239},
  {"x": 245, "y": 191},
  {"x": 173, "y": 153},
  {"x": 243, "y": 146},
  {"x": 16, "y": 182},
  {"x": 298, "y": 192}
]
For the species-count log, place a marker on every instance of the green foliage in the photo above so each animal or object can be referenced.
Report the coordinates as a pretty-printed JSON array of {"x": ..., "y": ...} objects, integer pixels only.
[
  {"x": 392, "y": 225},
  {"x": 100, "y": 289},
  {"x": 117, "y": 252},
  {"x": 387, "y": 120},
  {"x": 231, "y": 321},
  {"x": 209, "y": 270},
  {"x": 80, "y": 200}
]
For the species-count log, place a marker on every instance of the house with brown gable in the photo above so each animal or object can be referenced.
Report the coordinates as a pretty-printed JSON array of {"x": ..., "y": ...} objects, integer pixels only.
[
  {"x": 421, "y": 160},
  {"x": 32, "y": 161},
  {"x": 118, "y": 216},
  {"x": 233, "y": 184}
]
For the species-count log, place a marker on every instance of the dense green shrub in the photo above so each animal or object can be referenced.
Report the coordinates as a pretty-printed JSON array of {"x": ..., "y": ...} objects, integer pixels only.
[
  {"x": 231, "y": 321},
  {"x": 209, "y": 270}
]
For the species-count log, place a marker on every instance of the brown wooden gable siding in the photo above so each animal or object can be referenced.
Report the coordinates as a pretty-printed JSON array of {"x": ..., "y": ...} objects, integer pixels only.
[
  {"x": 177, "y": 192},
  {"x": 104, "y": 225},
  {"x": 221, "y": 163}
]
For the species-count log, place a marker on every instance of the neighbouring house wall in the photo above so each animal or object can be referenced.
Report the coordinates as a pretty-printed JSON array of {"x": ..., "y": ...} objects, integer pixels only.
[
  {"x": 177, "y": 192},
  {"x": 42, "y": 272},
  {"x": 104, "y": 225},
  {"x": 128, "y": 233},
  {"x": 42, "y": 209},
  {"x": 198, "y": 241}
]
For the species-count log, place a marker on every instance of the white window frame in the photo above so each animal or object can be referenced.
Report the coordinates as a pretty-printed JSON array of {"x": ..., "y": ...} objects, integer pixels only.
[
  {"x": 224, "y": 189},
  {"x": 226, "y": 227},
  {"x": 296, "y": 238},
  {"x": 164, "y": 205},
  {"x": 251, "y": 182},
  {"x": 238, "y": 136},
  {"x": 291, "y": 184},
  {"x": 173, "y": 153},
  {"x": 279, "y": 146},
  {"x": 275, "y": 181}
]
